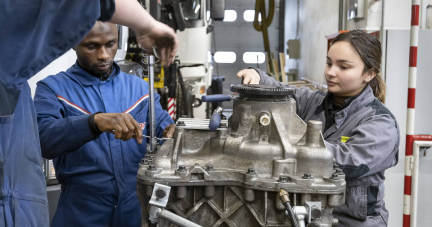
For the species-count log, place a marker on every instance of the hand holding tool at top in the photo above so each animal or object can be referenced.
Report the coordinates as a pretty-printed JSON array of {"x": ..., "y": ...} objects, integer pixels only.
[{"x": 148, "y": 31}]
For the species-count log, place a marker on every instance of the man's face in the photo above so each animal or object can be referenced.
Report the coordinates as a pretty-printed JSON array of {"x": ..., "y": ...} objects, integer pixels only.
[{"x": 96, "y": 51}]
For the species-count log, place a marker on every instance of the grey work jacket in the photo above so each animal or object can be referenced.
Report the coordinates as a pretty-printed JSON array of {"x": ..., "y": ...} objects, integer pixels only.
[{"x": 369, "y": 147}]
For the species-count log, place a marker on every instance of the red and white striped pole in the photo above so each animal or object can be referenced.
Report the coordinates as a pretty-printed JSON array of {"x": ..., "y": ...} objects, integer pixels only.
[
  {"x": 175, "y": 109},
  {"x": 415, "y": 12},
  {"x": 172, "y": 108}
]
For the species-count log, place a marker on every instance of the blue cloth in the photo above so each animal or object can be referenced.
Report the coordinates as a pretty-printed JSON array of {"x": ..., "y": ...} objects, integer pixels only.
[
  {"x": 23, "y": 200},
  {"x": 86, "y": 209},
  {"x": 33, "y": 34},
  {"x": 95, "y": 172}
]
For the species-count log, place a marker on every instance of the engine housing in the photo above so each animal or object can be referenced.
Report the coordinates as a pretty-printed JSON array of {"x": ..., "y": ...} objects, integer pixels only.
[{"x": 232, "y": 176}]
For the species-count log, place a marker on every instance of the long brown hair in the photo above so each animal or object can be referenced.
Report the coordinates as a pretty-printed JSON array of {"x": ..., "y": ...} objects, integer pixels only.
[{"x": 369, "y": 49}]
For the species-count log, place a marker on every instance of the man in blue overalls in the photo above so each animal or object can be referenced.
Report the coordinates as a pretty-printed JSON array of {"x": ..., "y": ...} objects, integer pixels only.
[
  {"x": 82, "y": 115},
  {"x": 33, "y": 34}
]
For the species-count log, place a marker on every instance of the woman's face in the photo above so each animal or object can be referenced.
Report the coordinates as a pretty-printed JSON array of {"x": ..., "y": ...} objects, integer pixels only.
[{"x": 344, "y": 70}]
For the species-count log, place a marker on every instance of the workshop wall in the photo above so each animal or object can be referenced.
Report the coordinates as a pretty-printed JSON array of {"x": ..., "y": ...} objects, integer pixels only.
[
  {"x": 397, "y": 20},
  {"x": 320, "y": 18},
  {"x": 372, "y": 17},
  {"x": 239, "y": 37},
  {"x": 60, "y": 64},
  {"x": 290, "y": 30},
  {"x": 397, "y": 79},
  {"x": 397, "y": 14},
  {"x": 316, "y": 20}
]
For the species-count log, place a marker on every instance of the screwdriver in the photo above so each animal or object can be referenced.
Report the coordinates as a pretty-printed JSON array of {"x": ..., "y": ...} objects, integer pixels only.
[{"x": 144, "y": 136}]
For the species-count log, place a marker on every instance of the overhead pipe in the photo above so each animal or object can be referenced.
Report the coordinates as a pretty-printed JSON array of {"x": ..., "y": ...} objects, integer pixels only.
[{"x": 407, "y": 208}]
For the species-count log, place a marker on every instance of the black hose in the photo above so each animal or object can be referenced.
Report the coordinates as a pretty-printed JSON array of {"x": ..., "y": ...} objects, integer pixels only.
[
  {"x": 188, "y": 98},
  {"x": 265, "y": 23},
  {"x": 265, "y": 20},
  {"x": 291, "y": 214},
  {"x": 185, "y": 110}
]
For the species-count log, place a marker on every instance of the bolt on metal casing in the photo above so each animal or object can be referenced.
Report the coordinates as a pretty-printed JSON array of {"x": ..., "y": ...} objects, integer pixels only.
[
  {"x": 182, "y": 168},
  {"x": 181, "y": 123},
  {"x": 251, "y": 171},
  {"x": 307, "y": 176},
  {"x": 160, "y": 193},
  {"x": 283, "y": 179},
  {"x": 151, "y": 168},
  {"x": 210, "y": 168}
]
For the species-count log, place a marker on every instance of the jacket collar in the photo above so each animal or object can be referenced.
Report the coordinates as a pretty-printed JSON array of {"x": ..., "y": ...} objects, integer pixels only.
[
  {"x": 364, "y": 98},
  {"x": 361, "y": 101},
  {"x": 86, "y": 78}
]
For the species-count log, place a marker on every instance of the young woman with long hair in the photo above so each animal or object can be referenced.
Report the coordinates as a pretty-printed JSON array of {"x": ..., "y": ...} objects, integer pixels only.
[{"x": 358, "y": 129}]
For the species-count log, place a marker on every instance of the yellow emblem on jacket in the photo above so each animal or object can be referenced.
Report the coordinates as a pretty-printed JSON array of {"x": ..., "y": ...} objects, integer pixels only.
[{"x": 344, "y": 139}]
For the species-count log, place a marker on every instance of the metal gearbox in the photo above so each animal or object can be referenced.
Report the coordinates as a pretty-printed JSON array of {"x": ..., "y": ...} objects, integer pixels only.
[{"x": 232, "y": 176}]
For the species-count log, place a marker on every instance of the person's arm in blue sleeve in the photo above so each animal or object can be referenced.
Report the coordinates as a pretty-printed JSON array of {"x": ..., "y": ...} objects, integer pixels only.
[
  {"x": 163, "y": 119},
  {"x": 58, "y": 135},
  {"x": 45, "y": 30},
  {"x": 372, "y": 147},
  {"x": 36, "y": 33}
]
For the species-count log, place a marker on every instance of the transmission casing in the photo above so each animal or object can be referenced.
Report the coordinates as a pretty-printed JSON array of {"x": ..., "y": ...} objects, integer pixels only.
[{"x": 232, "y": 176}]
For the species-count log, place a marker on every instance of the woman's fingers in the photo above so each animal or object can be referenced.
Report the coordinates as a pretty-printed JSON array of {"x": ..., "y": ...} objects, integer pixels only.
[{"x": 250, "y": 76}]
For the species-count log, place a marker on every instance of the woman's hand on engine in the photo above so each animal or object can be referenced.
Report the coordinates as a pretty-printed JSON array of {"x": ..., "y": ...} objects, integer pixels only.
[{"x": 250, "y": 76}]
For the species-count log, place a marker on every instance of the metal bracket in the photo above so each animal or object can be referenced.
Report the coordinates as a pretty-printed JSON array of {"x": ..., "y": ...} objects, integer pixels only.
[
  {"x": 313, "y": 210},
  {"x": 156, "y": 198},
  {"x": 158, "y": 202}
]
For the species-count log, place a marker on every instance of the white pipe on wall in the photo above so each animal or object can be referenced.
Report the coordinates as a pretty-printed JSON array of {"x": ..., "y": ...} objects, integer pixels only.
[{"x": 415, "y": 175}]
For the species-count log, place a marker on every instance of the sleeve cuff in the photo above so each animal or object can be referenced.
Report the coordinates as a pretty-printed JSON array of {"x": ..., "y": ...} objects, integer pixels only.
[
  {"x": 82, "y": 132},
  {"x": 93, "y": 127}
]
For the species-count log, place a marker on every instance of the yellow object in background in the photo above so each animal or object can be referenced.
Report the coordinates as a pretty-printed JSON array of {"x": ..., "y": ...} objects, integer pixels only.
[
  {"x": 160, "y": 83},
  {"x": 344, "y": 139}
]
